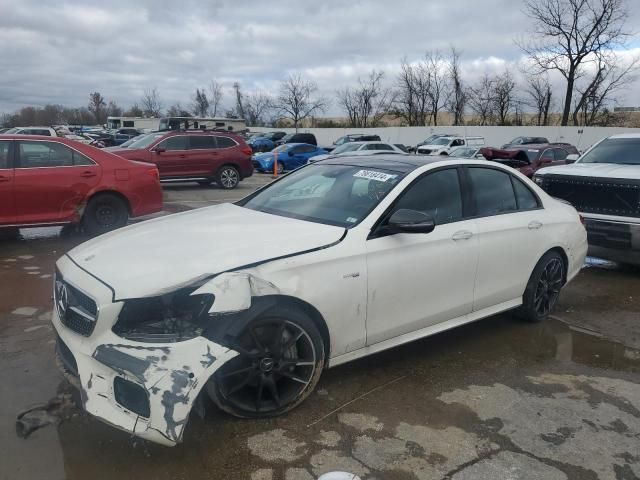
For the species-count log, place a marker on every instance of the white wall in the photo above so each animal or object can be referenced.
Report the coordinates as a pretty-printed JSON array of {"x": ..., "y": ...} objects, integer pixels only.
[{"x": 494, "y": 136}]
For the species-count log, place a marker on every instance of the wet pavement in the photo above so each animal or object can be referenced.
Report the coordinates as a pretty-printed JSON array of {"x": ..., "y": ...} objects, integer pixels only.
[{"x": 495, "y": 399}]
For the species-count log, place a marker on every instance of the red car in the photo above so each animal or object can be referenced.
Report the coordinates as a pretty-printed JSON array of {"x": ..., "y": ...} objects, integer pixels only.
[
  {"x": 204, "y": 157},
  {"x": 56, "y": 181},
  {"x": 530, "y": 158}
]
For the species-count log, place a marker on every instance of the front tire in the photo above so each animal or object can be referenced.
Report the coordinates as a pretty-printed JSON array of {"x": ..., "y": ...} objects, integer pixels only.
[
  {"x": 105, "y": 212},
  {"x": 280, "y": 168},
  {"x": 543, "y": 289},
  {"x": 228, "y": 177},
  {"x": 281, "y": 357}
]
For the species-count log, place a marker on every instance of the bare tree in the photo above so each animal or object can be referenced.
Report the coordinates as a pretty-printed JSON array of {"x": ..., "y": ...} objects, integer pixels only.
[
  {"x": 150, "y": 103},
  {"x": 481, "y": 99},
  {"x": 97, "y": 106},
  {"x": 504, "y": 99},
  {"x": 113, "y": 109},
  {"x": 458, "y": 95},
  {"x": 298, "y": 100},
  {"x": 177, "y": 110},
  {"x": 610, "y": 75},
  {"x": 411, "y": 99},
  {"x": 569, "y": 33},
  {"x": 368, "y": 102},
  {"x": 257, "y": 105},
  {"x": 200, "y": 103},
  {"x": 134, "y": 111},
  {"x": 215, "y": 97},
  {"x": 437, "y": 86},
  {"x": 540, "y": 96}
]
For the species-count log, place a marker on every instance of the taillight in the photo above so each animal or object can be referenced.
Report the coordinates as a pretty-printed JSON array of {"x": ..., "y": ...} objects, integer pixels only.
[{"x": 247, "y": 151}]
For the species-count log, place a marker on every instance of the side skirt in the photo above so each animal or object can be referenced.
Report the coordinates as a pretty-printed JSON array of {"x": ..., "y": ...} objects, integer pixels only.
[{"x": 424, "y": 332}]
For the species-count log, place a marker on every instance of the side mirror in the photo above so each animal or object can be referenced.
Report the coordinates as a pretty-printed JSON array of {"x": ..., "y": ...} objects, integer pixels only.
[
  {"x": 572, "y": 157},
  {"x": 410, "y": 221},
  {"x": 159, "y": 149}
]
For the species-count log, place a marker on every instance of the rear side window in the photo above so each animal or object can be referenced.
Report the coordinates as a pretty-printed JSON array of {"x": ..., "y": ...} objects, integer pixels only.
[
  {"x": 44, "y": 154},
  {"x": 4, "y": 154},
  {"x": 202, "y": 142},
  {"x": 175, "y": 143},
  {"x": 525, "y": 197},
  {"x": 437, "y": 194},
  {"x": 383, "y": 146},
  {"x": 225, "y": 142},
  {"x": 493, "y": 191}
]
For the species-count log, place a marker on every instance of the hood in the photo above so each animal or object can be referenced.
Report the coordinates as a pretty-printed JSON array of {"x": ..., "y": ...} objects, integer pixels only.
[
  {"x": 317, "y": 158},
  {"x": 501, "y": 154},
  {"x": 432, "y": 146},
  {"x": 265, "y": 157},
  {"x": 159, "y": 256},
  {"x": 606, "y": 170}
]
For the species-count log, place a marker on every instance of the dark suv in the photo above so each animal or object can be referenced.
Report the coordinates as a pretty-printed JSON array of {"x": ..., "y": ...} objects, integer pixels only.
[
  {"x": 204, "y": 157},
  {"x": 309, "y": 138}
]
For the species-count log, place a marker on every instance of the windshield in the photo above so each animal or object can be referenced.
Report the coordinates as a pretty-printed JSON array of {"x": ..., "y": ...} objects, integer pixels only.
[
  {"x": 441, "y": 141},
  {"x": 144, "y": 141},
  {"x": 623, "y": 151},
  {"x": 282, "y": 148},
  {"x": 287, "y": 137},
  {"x": 12, "y": 130},
  {"x": 341, "y": 195},
  {"x": 347, "y": 147},
  {"x": 463, "y": 152}
]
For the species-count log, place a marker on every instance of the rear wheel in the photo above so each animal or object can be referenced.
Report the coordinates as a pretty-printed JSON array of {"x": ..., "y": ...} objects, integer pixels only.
[
  {"x": 105, "y": 212},
  {"x": 228, "y": 177},
  {"x": 543, "y": 289},
  {"x": 281, "y": 357}
]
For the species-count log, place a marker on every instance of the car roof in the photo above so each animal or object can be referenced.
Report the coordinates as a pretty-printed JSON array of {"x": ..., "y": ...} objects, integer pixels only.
[
  {"x": 295, "y": 144},
  {"x": 395, "y": 163},
  {"x": 625, "y": 135}
]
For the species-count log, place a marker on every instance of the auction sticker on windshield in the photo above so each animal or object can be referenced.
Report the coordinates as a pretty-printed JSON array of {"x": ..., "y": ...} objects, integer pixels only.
[{"x": 373, "y": 175}]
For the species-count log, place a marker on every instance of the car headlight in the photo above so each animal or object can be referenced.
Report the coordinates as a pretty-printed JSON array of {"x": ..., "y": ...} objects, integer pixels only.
[
  {"x": 173, "y": 317},
  {"x": 539, "y": 180}
]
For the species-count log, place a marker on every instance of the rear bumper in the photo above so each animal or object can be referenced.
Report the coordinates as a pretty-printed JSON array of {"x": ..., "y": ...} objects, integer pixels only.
[{"x": 618, "y": 241}]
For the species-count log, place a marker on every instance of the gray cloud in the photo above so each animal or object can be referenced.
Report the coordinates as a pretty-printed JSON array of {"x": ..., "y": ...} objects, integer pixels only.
[{"x": 59, "y": 51}]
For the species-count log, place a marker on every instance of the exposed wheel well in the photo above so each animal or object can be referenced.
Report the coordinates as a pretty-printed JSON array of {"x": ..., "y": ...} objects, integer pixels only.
[
  {"x": 314, "y": 314},
  {"x": 565, "y": 259},
  {"x": 115, "y": 194}
]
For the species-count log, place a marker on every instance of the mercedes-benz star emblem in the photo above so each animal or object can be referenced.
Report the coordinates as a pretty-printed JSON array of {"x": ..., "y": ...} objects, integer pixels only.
[{"x": 62, "y": 298}]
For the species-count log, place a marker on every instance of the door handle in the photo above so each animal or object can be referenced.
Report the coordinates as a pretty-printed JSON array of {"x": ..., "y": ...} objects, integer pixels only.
[
  {"x": 535, "y": 225},
  {"x": 87, "y": 174},
  {"x": 462, "y": 235}
]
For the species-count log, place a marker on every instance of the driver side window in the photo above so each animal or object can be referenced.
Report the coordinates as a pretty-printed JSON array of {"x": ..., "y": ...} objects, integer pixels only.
[
  {"x": 437, "y": 194},
  {"x": 175, "y": 143}
]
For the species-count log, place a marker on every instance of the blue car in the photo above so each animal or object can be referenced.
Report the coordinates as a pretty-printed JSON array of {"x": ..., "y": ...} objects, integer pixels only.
[
  {"x": 290, "y": 157},
  {"x": 261, "y": 144}
]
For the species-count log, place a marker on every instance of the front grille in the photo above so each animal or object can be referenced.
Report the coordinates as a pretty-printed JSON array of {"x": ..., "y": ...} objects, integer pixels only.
[
  {"x": 609, "y": 235},
  {"x": 619, "y": 197},
  {"x": 76, "y": 310},
  {"x": 424, "y": 151}
]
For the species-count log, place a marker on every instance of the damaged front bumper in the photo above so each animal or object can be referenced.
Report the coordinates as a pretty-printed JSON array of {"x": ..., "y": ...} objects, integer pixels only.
[{"x": 147, "y": 389}]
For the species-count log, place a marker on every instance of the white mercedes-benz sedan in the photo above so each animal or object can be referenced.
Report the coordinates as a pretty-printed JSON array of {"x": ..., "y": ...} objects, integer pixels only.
[{"x": 249, "y": 302}]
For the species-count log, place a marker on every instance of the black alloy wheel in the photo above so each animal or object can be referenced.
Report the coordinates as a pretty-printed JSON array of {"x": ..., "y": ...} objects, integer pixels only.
[
  {"x": 278, "y": 365},
  {"x": 543, "y": 289},
  {"x": 548, "y": 288},
  {"x": 105, "y": 212}
]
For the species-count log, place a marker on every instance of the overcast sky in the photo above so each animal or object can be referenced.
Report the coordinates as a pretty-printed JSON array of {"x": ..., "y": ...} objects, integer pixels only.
[{"x": 59, "y": 51}]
